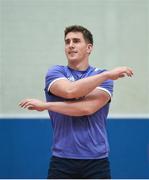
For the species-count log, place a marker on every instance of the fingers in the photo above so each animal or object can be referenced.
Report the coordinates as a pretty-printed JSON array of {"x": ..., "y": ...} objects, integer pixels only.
[
  {"x": 31, "y": 108},
  {"x": 121, "y": 75},
  {"x": 32, "y": 104},
  {"x": 23, "y": 103},
  {"x": 26, "y": 103},
  {"x": 120, "y": 72},
  {"x": 129, "y": 72},
  {"x": 126, "y": 71}
]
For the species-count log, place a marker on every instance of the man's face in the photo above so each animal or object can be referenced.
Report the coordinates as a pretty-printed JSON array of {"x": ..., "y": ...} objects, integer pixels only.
[{"x": 76, "y": 48}]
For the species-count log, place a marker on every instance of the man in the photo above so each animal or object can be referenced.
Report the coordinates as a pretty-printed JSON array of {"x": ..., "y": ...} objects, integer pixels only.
[{"x": 78, "y": 98}]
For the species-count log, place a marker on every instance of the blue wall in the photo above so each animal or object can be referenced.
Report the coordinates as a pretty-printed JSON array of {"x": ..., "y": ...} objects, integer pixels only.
[{"x": 25, "y": 148}]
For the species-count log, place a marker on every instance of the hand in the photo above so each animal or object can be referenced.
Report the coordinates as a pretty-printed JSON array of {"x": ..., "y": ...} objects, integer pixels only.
[
  {"x": 120, "y": 72},
  {"x": 33, "y": 104}
]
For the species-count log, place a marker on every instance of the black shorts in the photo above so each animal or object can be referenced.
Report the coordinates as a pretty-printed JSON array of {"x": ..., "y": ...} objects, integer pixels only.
[{"x": 63, "y": 168}]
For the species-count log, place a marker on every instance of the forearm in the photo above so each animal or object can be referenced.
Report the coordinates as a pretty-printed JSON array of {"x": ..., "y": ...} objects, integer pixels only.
[
  {"x": 86, "y": 106},
  {"x": 84, "y": 86},
  {"x": 67, "y": 108},
  {"x": 71, "y": 108}
]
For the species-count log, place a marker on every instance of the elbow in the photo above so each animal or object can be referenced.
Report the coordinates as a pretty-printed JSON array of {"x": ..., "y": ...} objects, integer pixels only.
[
  {"x": 73, "y": 92},
  {"x": 83, "y": 112},
  {"x": 88, "y": 111},
  {"x": 69, "y": 94}
]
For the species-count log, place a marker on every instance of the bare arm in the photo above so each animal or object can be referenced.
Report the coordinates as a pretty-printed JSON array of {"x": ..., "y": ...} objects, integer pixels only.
[
  {"x": 86, "y": 106},
  {"x": 67, "y": 89}
]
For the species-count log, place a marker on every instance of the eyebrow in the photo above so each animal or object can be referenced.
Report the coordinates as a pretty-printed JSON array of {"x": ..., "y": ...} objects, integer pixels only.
[{"x": 72, "y": 39}]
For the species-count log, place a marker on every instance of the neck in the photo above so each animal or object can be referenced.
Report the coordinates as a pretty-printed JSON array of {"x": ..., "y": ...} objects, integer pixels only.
[{"x": 81, "y": 66}]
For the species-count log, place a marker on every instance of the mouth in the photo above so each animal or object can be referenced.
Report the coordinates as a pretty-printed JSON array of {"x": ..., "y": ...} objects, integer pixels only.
[{"x": 72, "y": 52}]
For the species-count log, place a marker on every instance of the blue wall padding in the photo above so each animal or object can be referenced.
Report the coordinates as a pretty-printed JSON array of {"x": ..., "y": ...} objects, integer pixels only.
[{"x": 25, "y": 148}]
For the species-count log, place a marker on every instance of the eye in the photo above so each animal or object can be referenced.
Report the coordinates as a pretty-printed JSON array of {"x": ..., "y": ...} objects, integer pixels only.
[
  {"x": 67, "y": 41},
  {"x": 76, "y": 40}
]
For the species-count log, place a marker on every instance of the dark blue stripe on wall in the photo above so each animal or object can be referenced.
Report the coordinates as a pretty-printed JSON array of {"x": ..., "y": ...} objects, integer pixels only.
[
  {"x": 25, "y": 148},
  {"x": 129, "y": 142}
]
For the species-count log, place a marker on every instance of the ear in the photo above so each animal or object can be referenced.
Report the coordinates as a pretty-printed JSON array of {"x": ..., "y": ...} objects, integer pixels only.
[{"x": 89, "y": 48}]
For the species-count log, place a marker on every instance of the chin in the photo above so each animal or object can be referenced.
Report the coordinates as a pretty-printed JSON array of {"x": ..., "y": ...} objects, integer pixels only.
[{"x": 72, "y": 59}]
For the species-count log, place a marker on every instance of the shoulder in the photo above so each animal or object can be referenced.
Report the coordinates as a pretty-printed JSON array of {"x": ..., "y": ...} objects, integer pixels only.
[
  {"x": 54, "y": 73},
  {"x": 98, "y": 70},
  {"x": 108, "y": 81},
  {"x": 108, "y": 84},
  {"x": 55, "y": 69}
]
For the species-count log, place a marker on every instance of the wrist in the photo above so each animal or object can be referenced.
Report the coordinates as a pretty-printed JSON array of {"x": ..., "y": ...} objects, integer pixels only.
[
  {"x": 46, "y": 106},
  {"x": 106, "y": 75}
]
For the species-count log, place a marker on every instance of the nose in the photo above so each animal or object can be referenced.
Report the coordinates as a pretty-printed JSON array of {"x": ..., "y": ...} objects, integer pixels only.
[{"x": 71, "y": 44}]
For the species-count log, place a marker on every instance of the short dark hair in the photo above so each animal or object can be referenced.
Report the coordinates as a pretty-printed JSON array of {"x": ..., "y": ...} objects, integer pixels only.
[{"x": 77, "y": 28}]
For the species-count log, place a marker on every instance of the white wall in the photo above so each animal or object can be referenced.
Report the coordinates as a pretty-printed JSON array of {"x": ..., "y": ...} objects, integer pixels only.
[{"x": 31, "y": 40}]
